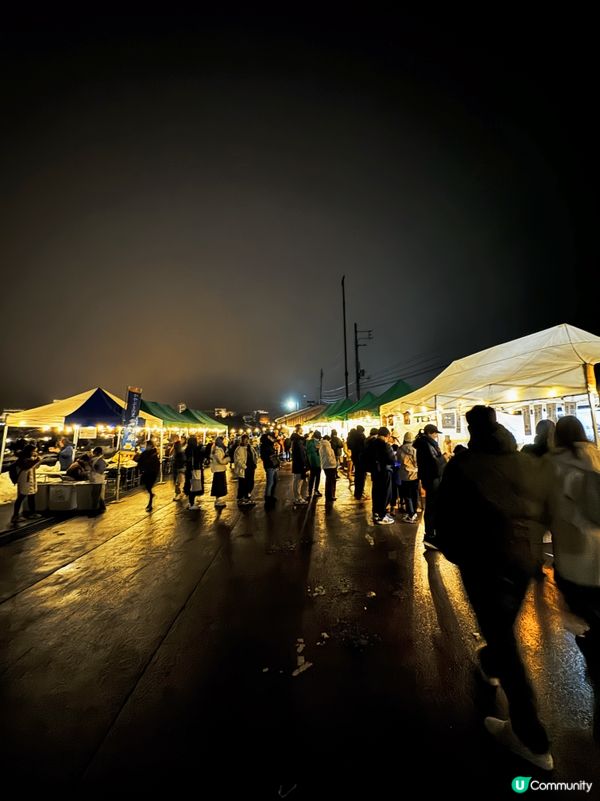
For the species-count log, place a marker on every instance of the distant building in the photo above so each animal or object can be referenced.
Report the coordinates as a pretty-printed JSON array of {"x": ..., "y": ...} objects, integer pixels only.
[
  {"x": 223, "y": 413},
  {"x": 262, "y": 417}
]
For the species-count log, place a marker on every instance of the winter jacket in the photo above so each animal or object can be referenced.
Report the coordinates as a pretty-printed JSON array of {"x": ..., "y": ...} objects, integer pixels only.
[
  {"x": 493, "y": 505},
  {"x": 218, "y": 460},
  {"x": 378, "y": 456},
  {"x": 313, "y": 453},
  {"x": 337, "y": 445},
  {"x": 576, "y": 538},
  {"x": 268, "y": 453},
  {"x": 328, "y": 460},
  {"x": 430, "y": 460},
  {"x": 406, "y": 455},
  {"x": 27, "y": 477},
  {"x": 244, "y": 458},
  {"x": 148, "y": 462},
  {"x": 299, "y": 460}
]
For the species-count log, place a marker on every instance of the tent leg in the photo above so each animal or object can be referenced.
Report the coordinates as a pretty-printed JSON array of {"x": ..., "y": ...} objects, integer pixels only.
[
  {"x": 118, "y": 487},
  {"x": 4, "y": 436},
  {"x": 592, "y": 400},
  {"x": 162, "y": 437},
  {"x": 75, "y": 441}
]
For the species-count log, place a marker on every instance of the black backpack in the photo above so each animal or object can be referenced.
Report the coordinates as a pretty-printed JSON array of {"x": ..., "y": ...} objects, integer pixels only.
[{"x": 13, "y": 472}]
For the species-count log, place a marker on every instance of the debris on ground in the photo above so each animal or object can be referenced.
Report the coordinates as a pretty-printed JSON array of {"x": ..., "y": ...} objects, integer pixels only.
[
  {"x": 265, "y": 670},
  {"x": 302, "y": 668},
  {"x": 371, "y": 594},
  {"x": 370, "y": 540},
  {"x": 476, "y": 635},
  {"x": 300, "y": 648},
  {"x": 324, "y": 635},
  {"x": 318, "y": 590}
]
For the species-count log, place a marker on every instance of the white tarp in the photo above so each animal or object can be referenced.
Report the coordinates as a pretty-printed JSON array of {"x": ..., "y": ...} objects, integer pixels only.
[
  {"x": 539, "y": 366},
  {"x": 53, "y": 414}
]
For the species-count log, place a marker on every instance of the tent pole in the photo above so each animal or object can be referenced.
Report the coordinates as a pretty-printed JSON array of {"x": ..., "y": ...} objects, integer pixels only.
[
  {"x": 592, "y": 400},
  {"x": 4, "y": 436},
  {"x": 118, "y": 487},
  {"x": 162, "y": 439},
  {"x": 75, "y": 441}
]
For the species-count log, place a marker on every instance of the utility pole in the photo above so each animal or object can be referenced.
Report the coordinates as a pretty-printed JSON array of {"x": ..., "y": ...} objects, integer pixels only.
[
  {"x": 356, "y": 362},
  {"x": 357, "y": 345},
  {"x": 345, "y": 341},
  {"x": 321, "y": 387}
]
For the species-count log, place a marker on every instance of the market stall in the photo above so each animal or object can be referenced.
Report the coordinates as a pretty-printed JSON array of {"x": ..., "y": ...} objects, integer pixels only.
[
  {"x": 93, "y": 414},
  {"x": 546, "y": 374}
]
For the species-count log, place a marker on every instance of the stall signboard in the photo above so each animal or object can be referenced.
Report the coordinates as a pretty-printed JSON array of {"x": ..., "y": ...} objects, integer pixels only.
[
  {"x": 551, "y": 409},
  {"x": 537, "y": 412},
  {"x": 527, "y": 420},
  {"x": 571, "y": 408},
  {"x": 131, "y": 418},
  {"x": 448, "y": 420}
]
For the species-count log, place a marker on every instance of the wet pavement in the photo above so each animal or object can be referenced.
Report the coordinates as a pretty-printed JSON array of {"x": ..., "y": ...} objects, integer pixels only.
[{"x": 300, "y": 653}]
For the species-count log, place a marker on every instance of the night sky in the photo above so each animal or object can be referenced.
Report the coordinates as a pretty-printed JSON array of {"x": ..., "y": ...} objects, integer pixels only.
[{"x": 182, "y": 195}]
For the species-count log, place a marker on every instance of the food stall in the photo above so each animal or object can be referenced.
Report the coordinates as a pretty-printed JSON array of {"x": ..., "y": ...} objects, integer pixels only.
[
  {"x": 92, "y": 415},
  {"x": 548, "y": 374}
]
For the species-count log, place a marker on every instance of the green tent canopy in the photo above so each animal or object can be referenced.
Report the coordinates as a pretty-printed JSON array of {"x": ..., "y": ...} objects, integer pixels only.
[
  {"x": 198, "y": 418},
  {"x": 368, "y": 403},
  {"x": 338, "y": 410},
  {"x": 164, "y": 412},
  {"x": 397, "y": 390}
]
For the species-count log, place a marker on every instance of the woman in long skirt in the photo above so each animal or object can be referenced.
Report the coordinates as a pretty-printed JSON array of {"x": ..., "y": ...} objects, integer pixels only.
[{"x": 218, "y": 465}]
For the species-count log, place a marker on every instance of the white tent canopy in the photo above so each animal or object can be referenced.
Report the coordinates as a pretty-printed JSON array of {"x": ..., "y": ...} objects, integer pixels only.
[
  {"x": 548, "y": 364},
  {"x": 54, "y": 414}
]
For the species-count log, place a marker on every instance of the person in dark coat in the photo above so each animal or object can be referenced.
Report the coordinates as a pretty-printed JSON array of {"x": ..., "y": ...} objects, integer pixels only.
[
  {"x": 270, "y": 460},
  {"x": 179, "y": 463},
  {"x": 493, "y": 507},
  {"x": 194, "y": 457},
  {"x": 431, "y": 464},
  {"x": 299, "y": 466},
  {"x": 149, "y": 466},
  {"x": 379, "y": 460},
  {"x": 357, "y": 448}
]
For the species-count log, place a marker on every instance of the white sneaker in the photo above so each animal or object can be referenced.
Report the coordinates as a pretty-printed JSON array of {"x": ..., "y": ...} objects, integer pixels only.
[
  {"x": 389, "y": 519},
  {"x": 502, "y": 731},
  {"x": 385, "y": 521}
]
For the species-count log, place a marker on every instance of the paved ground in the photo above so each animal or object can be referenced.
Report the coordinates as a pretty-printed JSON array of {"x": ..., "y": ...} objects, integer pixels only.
[{"x": 140, "y": 649}]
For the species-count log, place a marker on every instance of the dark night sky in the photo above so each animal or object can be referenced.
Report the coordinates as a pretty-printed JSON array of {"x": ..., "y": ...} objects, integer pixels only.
[{"x": 181, "y": 197}]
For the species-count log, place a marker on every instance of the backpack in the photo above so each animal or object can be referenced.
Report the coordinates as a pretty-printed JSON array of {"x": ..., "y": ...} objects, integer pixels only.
[{"x": 13, "y": 472}]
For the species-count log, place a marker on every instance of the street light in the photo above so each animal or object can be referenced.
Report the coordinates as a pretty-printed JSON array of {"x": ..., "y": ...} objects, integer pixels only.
[{"x": 291, "y": 405}]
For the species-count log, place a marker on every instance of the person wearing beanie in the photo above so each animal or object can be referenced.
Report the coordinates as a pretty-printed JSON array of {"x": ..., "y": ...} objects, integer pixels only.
[
  {"x": 409, "y": 476},
  {"x": 493, "y": 507},
  {"x": 431, "y": 464}
]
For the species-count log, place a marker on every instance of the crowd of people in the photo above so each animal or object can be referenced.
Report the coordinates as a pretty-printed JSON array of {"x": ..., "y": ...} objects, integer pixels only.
[{"x": 488, "y": 507}]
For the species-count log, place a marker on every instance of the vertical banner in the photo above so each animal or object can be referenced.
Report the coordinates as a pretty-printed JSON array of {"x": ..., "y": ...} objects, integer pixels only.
[
  {"x": 458, "y": 418},
  {"x": 551, "y": 412},
  {"x": 537, "y": 412},
  {"x": 571, "y": 408},
  {"x": 131, "y": 419},
  {"x": 527, "y": 420}
]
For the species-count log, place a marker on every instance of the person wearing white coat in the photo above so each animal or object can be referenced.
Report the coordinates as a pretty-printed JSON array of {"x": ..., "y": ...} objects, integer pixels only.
[
  {"x": 218, "y": 465},
  {"x": 575, "y": 525},
  {"x": 329, "y": 465}
]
